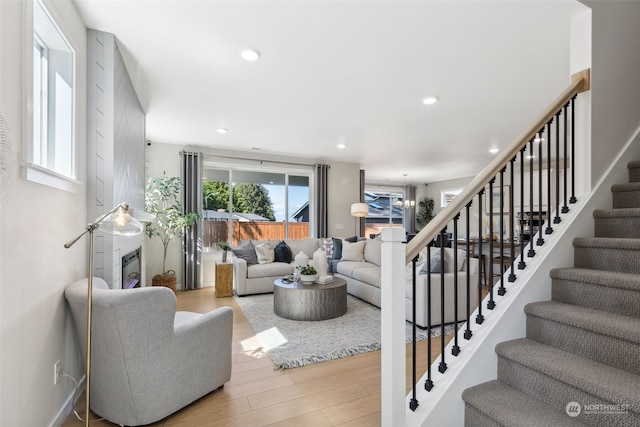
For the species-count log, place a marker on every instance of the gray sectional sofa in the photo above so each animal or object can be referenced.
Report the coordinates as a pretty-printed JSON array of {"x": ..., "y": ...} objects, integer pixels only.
[{"x": 359, "y": 264}]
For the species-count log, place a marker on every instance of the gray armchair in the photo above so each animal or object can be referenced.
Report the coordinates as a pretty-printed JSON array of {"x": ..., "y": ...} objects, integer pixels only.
[{"x": 147, "y": 360}]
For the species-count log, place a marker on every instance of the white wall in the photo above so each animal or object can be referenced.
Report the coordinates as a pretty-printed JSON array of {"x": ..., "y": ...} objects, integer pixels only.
[
  {"x": 614, "y": 78},
  {"x": 35, "y": 222},
  {"x": 344, "y": 189}
]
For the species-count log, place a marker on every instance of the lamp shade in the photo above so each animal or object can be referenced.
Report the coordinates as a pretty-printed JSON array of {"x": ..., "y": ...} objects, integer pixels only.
[
  {"x": 120, "y": 223},
  {"x": 359, "y": 209}
]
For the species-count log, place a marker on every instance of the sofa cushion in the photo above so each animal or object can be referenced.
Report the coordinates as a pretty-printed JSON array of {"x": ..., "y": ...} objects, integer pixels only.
[
  {"x": 435, "y": 264},
  {"x": 373, "y": 251},
  {"x": 273, "y": 269},
  {"x": 337, "y": 248},
  {"x": 353, "y": 251},
  {"x": 327, "y": 246},
  {"x": 308, "y": 246},
  {"x": 265, "y": 253},
  {"x": 347, "y": 268},
  {"x": 283, "y": 253},
  {"x": 246, "y": 252},
  {"x": 369, "y": 274}
]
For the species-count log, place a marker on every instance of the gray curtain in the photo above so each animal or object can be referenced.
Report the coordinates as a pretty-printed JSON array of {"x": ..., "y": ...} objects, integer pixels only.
[
  {"x": 410, "y": 212},
  {"x": 191, "y": 170},
  {"x": 361, "y": 221},
  {"x": 322, "y": 198}
]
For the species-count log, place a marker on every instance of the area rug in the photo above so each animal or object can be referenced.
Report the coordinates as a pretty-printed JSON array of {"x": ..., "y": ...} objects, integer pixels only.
[{"x": 292, "y": 343}]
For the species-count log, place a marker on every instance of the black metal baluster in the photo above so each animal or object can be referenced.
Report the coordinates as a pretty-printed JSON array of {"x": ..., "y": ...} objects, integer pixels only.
[
  {"x": 428, "y": 384},
  {"x": 573, "y": 152},
  {"x": 491, "y": 303},
  {"x": 442, "y": 366},
  {"x": 522, "y": 264},
  {"x": 557, "y": 219},
  {"x": 455, "y": 350},
  {"x": 531, "y": 253},
  {"x": 549, "y": 228},
  {"x": 565, "y": 208},
  {"x": 413, "y": 404},
  {"x": 502, "y": 290},
  {"x": 512, "y": 275},
  {"x": 479, "y": 316},
  {"x": 467, "y": 332},
  {"x": 540, "y": 240}
]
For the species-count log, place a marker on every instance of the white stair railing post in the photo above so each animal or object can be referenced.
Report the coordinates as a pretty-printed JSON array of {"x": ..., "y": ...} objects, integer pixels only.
[{"x": 393, "y": 395}]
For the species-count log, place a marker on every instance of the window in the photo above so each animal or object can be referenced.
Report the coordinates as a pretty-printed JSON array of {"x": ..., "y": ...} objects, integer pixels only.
[
  {"x": 52, "y": 140},
  {"x": 448, "y": 195},
  {"x": 386, "y": 209}
]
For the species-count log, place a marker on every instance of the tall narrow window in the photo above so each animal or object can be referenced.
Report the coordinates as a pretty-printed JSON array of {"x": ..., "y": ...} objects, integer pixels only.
[
  {"x": 53, "y": 117},
  {"x": 386, "y": 210}
]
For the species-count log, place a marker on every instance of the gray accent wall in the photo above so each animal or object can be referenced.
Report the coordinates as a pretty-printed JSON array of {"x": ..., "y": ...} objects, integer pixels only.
[{"x": 116, "y": 151}]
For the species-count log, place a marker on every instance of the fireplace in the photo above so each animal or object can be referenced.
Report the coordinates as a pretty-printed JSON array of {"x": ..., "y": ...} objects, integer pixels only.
[{"x": 131, "y": 266}]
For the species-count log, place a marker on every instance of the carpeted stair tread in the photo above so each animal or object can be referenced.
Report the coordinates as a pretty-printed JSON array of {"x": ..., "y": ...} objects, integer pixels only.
[
  {"x": 510, "y": 407},
  {"x": 627, "y": 186},
  {"x": 617, "y": 213},
  {"x": 607, "y": 253},
  {"x": 601, "y": 322},
  {"x": 596, "y": 379},
  {"x": 617, "y": 222},
  {"x": 601, "y": 290},
  {"x": 634, "y": 170},
  {"x": 626, "y": 195}
]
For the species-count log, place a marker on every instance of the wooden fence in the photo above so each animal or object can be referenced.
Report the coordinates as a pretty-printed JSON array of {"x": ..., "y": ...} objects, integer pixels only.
[{"x": 218, "y": 231}]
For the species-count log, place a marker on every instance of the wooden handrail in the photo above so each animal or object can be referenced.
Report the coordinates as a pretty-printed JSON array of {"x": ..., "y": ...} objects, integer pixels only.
[{"x": 580, "y": 82}]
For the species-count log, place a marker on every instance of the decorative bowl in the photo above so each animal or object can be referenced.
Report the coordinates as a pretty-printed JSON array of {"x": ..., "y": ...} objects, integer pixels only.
[{"x": 308, "y": 279}]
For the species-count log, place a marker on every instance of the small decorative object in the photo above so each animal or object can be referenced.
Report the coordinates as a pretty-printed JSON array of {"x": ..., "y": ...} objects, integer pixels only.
[
  {"x": 224, "y": 247},
  {"x": 308, "y": 274},
  {"x": 320, "y": 262},
  {"x": 301, "y": 260}
]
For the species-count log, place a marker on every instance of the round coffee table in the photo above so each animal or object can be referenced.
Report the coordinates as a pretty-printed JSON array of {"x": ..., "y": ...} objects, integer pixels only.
[{"x": 297, "y": 301}]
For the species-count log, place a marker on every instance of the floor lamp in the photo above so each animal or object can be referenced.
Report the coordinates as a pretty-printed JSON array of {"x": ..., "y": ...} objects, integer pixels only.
[
  {"x": 117, "y": 222},
  {"x": 359, "y": 210}
]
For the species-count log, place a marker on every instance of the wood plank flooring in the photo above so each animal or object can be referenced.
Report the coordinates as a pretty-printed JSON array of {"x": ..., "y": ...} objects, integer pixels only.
[{"x": 343, "y": 392}]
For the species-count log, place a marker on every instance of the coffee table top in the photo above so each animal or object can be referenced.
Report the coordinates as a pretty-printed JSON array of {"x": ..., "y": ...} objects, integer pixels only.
[{"x": 337, "y": 282}]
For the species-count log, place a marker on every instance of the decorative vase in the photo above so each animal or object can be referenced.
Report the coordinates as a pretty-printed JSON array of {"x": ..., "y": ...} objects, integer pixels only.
[
  {"x": 224, "y": 256},
  {"x": 308, "y": 279},
  {"x": 320, "y": 262},
  {"x": 301, "y": 260}
]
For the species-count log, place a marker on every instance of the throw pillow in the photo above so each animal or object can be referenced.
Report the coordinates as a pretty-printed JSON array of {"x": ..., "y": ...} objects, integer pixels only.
[
  {"x": 436, "y": 264},
  {"x": 352, "y": 239},
  {"x": 283, "y": 253},
  {"x": 246, "y": 252},
  {"x": 327, "y": 246},
  {"x": 353, "y": 251},
  {"x": 265, "y": 253},
  {"x": 337, "y": 248}
]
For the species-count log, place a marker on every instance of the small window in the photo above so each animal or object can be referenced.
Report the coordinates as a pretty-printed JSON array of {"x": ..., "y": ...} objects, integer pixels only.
[
  {"x": 448, "y": 195},
  {"x": 53, "y": 113}
]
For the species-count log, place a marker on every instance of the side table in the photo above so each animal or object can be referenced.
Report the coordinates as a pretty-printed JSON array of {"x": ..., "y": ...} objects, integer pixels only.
[{"x": 224, "y": 279}]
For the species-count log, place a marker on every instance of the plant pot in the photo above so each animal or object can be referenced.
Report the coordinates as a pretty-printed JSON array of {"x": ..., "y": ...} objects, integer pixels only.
[
  {"x": 224, "y": 256},
  {"x": 307, "y": 279},
  {"x": 168, "y": 279}
]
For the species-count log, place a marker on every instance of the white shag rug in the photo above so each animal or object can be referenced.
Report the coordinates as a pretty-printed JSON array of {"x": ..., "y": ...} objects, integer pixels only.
[{"x": 292, "y": 343}]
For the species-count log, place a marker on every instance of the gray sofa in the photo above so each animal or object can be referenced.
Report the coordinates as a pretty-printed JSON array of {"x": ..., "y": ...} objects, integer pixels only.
[{"x": 359, "y": 264}]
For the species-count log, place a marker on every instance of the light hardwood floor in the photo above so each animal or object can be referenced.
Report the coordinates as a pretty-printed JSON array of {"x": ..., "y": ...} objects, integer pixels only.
[{"x": 344, "y": 392}]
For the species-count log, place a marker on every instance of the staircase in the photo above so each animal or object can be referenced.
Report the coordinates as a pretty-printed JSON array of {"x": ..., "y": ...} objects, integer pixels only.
[{"x": 580, "y": 361}]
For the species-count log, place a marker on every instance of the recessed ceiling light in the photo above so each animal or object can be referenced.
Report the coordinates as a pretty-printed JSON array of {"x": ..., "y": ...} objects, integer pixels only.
[
  {"x": 255, "y": 148},
  {"x": 250, "y": 54},
  {"x": 222, "y": 130},
  {"x": 494, "y": 150},
  {"x": 430, "y": 100},
  {"x": 341, "y": 146}
]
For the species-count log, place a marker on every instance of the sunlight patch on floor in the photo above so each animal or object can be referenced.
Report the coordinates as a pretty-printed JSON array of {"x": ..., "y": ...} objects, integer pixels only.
[{"x": 258, "y": 345}]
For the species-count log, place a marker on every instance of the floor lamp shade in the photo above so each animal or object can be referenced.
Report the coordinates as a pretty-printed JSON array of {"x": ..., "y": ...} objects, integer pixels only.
[
  {"x": 359, "y": 209},
  {"x": 118, "y": 222}
]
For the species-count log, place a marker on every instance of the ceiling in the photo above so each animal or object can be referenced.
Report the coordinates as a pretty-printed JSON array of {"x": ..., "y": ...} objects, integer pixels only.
[{"x": 351, "y": 72}]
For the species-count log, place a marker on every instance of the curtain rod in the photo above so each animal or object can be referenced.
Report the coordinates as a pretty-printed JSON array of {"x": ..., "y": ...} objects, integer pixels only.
[{"x": 222, "y": 156}]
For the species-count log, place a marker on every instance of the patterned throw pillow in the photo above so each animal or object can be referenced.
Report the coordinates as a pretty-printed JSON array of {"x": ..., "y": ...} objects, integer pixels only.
[
  {"x": 246, "y": 252},
  {"x": 283, "y": 253},
  {"x": 327, "y": 247},
  {"x": 265, "y": 253}
]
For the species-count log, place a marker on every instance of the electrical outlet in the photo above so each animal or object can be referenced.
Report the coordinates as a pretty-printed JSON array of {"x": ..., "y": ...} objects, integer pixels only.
[{"x": 57, "y": 372}]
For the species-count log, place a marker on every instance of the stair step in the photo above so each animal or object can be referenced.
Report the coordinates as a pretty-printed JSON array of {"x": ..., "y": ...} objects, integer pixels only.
[
  {"x": 557, "y": 377},
  {"x": 634, "y": 171},
  {"x": 617, "y": 222},
  {"x": 626, "y": 195},
  {"x": 496, "y": 404},
  {"x": 607, "y": 254},
  {"x": 604, "y": 337},
  {"x": 609, "y": 291}
]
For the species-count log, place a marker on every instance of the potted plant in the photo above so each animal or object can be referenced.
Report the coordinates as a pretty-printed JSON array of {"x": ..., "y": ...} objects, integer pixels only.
[
  {"x": 162, "y": 200},
  {"x": 425, "y": 211},
  {"x": 307, "y": 274},
  {"x": 224, "y": 247}
]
